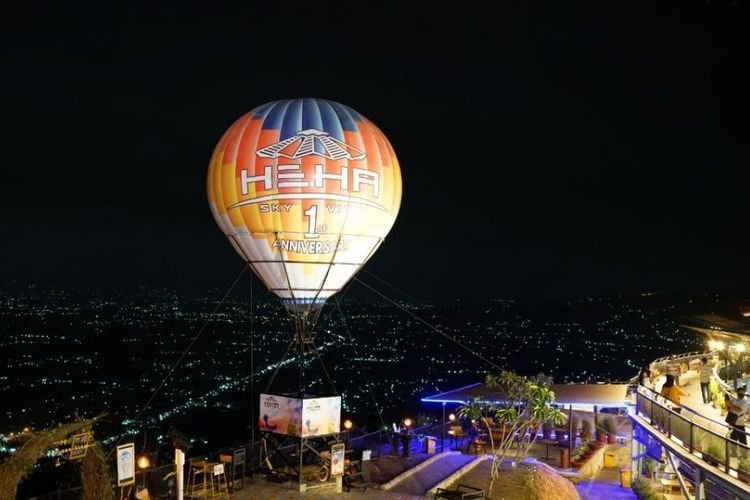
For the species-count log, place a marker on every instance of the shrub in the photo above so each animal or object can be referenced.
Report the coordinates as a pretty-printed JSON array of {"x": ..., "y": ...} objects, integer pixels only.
[
  {"x": 586, "y": 430},
  {"x": 644, "y": 491},
  {"x": 608, "y": 424},
  {"x": 716, "y": 449}
]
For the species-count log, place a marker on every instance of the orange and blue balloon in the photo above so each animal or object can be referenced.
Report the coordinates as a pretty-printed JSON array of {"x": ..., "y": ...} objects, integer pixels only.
[{"x": 306, "y": 190}]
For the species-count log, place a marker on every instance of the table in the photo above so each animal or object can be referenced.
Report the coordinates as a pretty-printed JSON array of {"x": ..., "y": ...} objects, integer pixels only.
[
  {"x": 547, "y": 442},
  {"x": 672, "y": 486},
  {"x": 668, "y": 485}
]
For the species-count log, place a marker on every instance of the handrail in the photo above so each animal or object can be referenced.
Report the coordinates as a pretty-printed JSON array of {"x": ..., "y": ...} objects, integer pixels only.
[
  {"x": 676, "y": 357},
  {"x": 655, "y": 396},
  {"x": 683, "y": 431}
]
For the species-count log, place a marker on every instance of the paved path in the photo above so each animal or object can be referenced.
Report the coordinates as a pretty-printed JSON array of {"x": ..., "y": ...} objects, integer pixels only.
[
  {"x": 690, "y": 382},
  {"x": 605, "y": 484},
  {"x": 420, "y": 482}
]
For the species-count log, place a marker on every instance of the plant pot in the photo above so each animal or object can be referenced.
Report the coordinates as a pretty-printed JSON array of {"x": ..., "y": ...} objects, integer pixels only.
[
  {"x": 611, "y": 439},
  {"x": 743, "y": 476},
  {"x": 600, "y": 437},
  {"x": 564, "y": 458}
]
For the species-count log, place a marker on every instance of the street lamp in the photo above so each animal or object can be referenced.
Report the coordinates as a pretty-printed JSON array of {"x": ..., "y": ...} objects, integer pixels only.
[
  {"x": 143, "y": 463},
  {"x": 347, "y": 427}
]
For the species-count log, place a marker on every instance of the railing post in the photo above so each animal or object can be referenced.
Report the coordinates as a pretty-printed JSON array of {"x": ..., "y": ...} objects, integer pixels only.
[
  {"x": 690, "y": 441},
  {"x": 726, "y": 455},
  {"x": 653, "y": 400},
  {"x": 669, "y": 424}
]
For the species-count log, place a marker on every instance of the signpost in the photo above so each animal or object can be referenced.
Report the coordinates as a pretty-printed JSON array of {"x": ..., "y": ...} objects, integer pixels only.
[
  {"x": 337, "y": 459},
  {"x": 125, "y": 464}
]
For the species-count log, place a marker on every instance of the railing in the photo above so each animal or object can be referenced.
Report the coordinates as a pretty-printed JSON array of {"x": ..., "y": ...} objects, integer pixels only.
[
  {"x": 693, "y": 432},
  {"x": 662, "y": 361}
]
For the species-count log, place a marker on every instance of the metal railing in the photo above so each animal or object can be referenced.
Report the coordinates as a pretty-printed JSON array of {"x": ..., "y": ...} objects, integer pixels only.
[{"x": 694, "y": 433}]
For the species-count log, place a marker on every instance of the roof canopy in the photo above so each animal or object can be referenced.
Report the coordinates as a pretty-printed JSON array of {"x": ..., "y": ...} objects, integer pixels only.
[{"x": 580, "y": 396}]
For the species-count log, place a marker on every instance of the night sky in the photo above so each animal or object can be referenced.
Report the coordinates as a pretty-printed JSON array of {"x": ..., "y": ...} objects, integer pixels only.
[{"x": 604, "y": 149}]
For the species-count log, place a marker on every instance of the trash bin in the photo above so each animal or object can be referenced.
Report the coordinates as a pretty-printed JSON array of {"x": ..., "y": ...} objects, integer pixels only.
[
  {"x": 609, "y": 460},
  {"x": 365, "y": 466},
  {"x": 625, "y": 478},
  {"x": 429, "y": 444}
]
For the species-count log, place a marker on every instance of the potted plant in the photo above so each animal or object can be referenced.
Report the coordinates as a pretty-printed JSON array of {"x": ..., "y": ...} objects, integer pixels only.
[
  {"x": 585, "y": 431},
  {"x": 577, "y": 460},
  {"x": 610, "y": 428},
  {"x": 601, "y": 434},
  {"x": 743, "y": 469},
  {"x": 714, "y": 452},
  {"x": 648, "y": 464}
]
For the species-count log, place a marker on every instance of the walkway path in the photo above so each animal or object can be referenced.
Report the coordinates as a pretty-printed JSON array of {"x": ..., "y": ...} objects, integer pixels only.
[
  {"x": 421, "y": 481},
  {"x": 709, "y": 416}
]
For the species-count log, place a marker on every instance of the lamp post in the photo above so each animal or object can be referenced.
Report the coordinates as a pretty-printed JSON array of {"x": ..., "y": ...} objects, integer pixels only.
[
  {"x": 143, "y": 463},
  {"x": 442, "y": 437},
  {"x": 451, "y": 419},
  {"x": 347, "y": 427},
  {"x": 406, "y": 437}
]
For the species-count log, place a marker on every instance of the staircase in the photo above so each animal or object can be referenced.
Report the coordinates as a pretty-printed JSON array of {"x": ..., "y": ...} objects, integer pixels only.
[{"x": 422, "y": 478}]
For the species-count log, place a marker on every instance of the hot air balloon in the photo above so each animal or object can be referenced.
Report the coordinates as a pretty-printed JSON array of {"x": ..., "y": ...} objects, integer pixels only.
[{"x": 306, "y": 190}]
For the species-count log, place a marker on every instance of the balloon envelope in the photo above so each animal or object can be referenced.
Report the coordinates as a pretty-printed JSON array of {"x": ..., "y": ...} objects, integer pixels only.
[{"x": 306, "y": 190}]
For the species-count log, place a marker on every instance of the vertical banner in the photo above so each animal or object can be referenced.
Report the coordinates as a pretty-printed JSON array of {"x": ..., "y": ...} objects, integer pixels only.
[
  {"x": 337, "y": 459},
  {"x": 125, "y": 464}
]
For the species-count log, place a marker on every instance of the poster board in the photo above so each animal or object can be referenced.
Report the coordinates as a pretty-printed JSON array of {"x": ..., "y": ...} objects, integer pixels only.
[
  {"x": 337, "y": 459},
  {"x": 125, "y": 464},
  {"x": 308, "y": 417}
]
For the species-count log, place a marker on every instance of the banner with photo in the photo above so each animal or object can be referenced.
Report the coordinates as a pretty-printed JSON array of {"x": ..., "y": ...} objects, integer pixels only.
[{"x": 307, "y": 417}]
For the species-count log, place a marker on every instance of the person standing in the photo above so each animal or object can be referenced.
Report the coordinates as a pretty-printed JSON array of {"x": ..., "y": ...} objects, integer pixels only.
[
  {"x": 673, "y": 392},
  {"x": 674, "y": 369},
  {"x": 644, "y": 377},
  {"x": 705, "y": 378},
  {"x": 739, "y": 408}
]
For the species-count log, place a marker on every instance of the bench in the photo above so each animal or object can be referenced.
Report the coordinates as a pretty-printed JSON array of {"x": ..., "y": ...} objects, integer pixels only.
[{"x": 462, "y": 492}]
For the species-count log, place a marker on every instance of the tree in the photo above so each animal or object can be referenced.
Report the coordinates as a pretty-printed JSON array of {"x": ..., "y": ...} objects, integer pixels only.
[{"x": 525, "y": 403}]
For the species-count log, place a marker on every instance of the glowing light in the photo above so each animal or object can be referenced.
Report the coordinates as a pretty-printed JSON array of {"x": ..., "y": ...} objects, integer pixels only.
[
  {"x": 717, "y": 345},
  {"x": 143, "y": 462},
  {"x": 347, "y": 424},
  {"x": 451, "y": 417},
  {"x": 739, "y": 347},
  {"x": 407, "y": 422}
]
